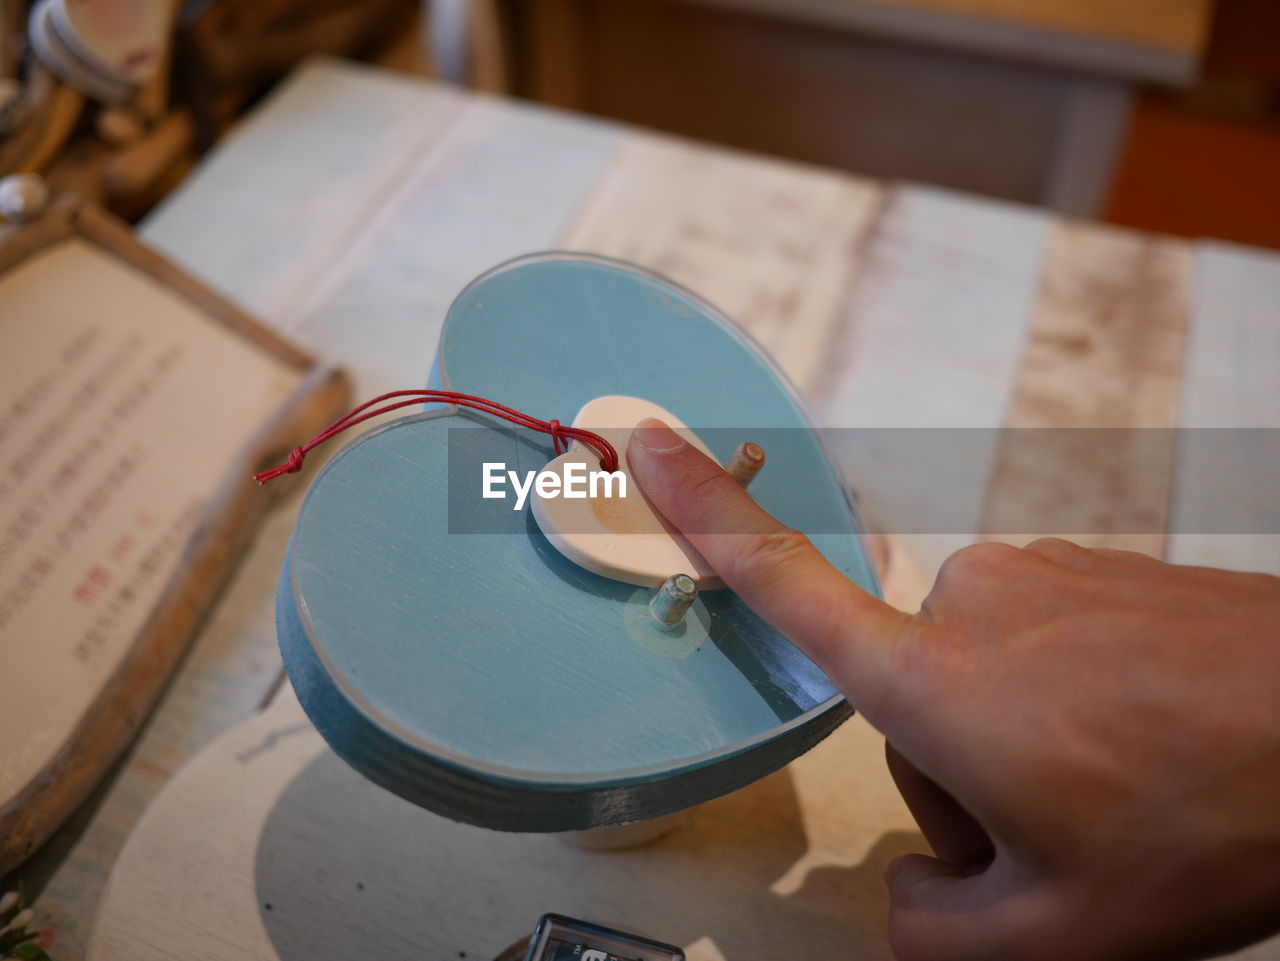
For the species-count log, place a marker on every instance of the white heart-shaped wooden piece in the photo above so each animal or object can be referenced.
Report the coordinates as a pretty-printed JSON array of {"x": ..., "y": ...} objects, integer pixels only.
[{"x": 622, "y": 538}]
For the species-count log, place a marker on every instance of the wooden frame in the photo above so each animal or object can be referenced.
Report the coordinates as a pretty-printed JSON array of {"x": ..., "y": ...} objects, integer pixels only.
[{"x": 114, "y": 716}]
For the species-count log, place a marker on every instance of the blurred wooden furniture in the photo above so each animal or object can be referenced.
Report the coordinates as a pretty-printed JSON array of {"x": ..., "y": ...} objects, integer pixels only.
[
  {"x": 126, "y": 153},
  {"x": 467, "y": 42},
  {"x": 1201, "y": 161},
  {"x": 1026, "y": 101},
  {"x": 348, "y": 211}
]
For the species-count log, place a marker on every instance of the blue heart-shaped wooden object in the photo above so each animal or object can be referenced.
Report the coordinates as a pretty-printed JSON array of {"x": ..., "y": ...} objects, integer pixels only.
[{"x": 447, "y": 652}]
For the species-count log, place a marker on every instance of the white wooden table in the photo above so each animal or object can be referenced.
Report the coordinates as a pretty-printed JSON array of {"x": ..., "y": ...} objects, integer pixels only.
[{"x": 348, "y": 212}]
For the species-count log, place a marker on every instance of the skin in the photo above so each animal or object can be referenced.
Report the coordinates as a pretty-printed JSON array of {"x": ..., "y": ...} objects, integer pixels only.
[{"x": 1088, "y": 739}]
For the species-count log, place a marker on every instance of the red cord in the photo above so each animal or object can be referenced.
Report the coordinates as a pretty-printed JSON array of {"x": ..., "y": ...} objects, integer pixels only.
[{"x": 560, "y": 434}]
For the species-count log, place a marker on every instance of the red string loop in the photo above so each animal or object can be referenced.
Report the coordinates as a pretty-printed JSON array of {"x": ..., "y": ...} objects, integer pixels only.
[
  {"x": 560, "y": 435},
  {"x": 557, "y": 437}
]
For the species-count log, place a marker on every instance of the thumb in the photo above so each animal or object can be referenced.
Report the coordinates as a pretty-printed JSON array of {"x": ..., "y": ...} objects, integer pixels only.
[
  {"x": 780, "y": 575},
  {"x": 939, "y": 912}
]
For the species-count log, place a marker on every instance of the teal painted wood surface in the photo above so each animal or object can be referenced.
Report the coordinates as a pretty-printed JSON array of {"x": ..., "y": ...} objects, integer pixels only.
[{"x": 485, "y": 676}]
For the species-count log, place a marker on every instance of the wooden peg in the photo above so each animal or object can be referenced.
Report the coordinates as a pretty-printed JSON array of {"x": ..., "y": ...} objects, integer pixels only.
[
  {"x": 673, "y": 600},
  {"x": 746, "y": 463}
]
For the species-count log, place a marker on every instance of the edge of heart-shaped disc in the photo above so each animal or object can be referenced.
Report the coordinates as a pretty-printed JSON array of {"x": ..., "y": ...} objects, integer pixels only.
[
  {"x": 619, "y": 537},
  {"x": 510, "y": 326}
]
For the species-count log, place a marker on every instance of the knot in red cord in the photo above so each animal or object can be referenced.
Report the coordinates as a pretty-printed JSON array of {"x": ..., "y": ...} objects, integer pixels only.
[
  {"x": 291, "y": 466},
  {"x": 557, "y": 437}
]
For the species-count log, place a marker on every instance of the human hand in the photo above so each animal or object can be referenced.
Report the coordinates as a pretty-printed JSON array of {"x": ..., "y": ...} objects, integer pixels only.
[{"x": 1088, "y": 739}]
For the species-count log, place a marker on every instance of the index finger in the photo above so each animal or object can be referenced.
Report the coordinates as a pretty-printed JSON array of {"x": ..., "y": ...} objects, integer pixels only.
[{"x": 851, "y": 635}]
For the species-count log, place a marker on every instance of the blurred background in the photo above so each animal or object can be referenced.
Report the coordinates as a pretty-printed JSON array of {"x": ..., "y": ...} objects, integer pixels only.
[{"x": 1157, "y": 114}]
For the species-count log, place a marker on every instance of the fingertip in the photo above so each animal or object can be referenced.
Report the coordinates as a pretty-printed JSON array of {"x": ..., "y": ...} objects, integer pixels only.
[
  {"x": 777, "y": 571},
  {"x": 690, "y": 489},
  {"x": 653, "y": 436}
]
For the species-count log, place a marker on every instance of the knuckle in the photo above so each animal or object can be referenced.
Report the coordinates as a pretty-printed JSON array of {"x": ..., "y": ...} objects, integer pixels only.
[
  {"x": 989, "y": 557},
  {"x": 1051, "y": 544},
  {"x": 759, "y": 555},
  {"x": 976, "y": 568},
  {"x": 705, "y": 491},
  {"x": 1064, "y": 553},
  {"x": 707, "y": 483},
  {"x": 1264, "y": 584}
]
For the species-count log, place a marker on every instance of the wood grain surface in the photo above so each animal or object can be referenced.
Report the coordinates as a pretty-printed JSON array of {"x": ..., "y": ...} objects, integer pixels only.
[
  {"x": 920, "y": 308},
  {"x": 1104, "y": 350},
  {"x": 775, "y": 246}
]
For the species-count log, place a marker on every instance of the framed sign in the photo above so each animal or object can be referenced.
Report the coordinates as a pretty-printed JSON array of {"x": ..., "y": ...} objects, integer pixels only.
[{"x": 135, "y": 404}]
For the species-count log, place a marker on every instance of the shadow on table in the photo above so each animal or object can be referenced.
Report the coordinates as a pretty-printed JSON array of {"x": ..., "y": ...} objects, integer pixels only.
[{"x": 345, "y": 869}]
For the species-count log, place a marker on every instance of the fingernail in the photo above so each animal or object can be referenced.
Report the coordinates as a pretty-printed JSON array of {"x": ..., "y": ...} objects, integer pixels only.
[{"x": 657, "y": 438}]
